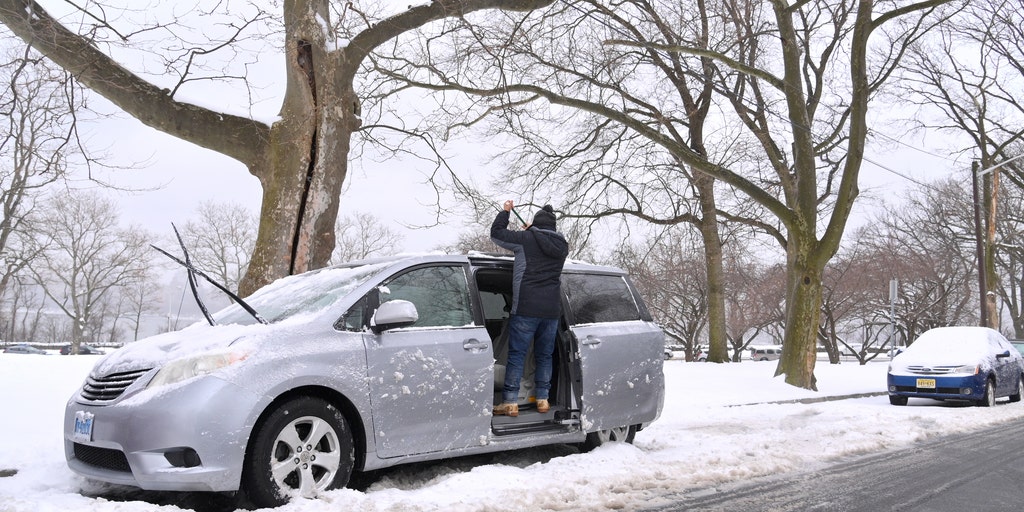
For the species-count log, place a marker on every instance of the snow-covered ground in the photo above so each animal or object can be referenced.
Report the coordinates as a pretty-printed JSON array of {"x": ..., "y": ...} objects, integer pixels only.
[{"x": 716, "y": 427}]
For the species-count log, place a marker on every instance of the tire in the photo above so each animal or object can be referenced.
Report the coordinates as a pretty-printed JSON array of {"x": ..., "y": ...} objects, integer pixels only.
[
  {"x": 304, "y": 447},
  {"x": 989, "y": 400},
  {"x": 1020, "y": 390},
  {"x": 614, "y": 435},
  {"x": 898, "y": 400}
]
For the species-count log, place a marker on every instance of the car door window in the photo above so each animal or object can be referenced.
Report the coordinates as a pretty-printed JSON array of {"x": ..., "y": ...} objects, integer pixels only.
[
  {"x": 440, "y": 294},
  {"x": 354, "y": 319},
  {"x": 599, "y": 298}
]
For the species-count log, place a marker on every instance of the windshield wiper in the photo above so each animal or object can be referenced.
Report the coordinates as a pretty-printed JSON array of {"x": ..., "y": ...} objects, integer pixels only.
[{"x": 193, "y": 272}]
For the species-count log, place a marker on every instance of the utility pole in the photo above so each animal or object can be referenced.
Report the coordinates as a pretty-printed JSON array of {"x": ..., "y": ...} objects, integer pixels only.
[
  {"x": 979, "y": 246},
  {"x": 893, "y": 292}
]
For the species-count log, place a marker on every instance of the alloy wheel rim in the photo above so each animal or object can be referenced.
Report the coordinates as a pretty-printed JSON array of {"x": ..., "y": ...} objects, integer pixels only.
[{"x": 305, "y": 456}]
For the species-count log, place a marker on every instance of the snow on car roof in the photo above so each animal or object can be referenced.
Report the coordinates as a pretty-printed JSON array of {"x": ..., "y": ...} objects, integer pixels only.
[{"x": 950, "y": 345}]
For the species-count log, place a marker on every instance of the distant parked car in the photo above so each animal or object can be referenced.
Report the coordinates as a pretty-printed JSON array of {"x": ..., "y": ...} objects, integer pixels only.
[
  {"x": 975, "y": 364},
  {"x": 671, "y": 351},
  {"x": 85, "y": 350},
  {"x": 853, "y": 349},
  {"x": 23, "y": 348},
  {"x": 765, "y": 353}
]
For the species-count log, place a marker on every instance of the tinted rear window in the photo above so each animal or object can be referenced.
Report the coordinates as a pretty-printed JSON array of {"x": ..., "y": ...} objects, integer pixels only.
[{"x": 599, "y": 298}]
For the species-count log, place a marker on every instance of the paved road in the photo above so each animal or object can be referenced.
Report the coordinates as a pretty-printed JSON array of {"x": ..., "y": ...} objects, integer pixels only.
[{"x": 982, "y": 471}]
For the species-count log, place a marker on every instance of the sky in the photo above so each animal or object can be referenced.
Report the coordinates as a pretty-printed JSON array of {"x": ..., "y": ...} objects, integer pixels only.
[{"x": 719, "y": 425}]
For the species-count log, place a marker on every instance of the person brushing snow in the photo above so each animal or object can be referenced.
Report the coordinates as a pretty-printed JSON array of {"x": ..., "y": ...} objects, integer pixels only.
[{"x": 540, "y": 253}]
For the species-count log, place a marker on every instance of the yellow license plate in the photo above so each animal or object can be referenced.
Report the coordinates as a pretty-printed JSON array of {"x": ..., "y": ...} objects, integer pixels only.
[{"x": 926, "y": 383}]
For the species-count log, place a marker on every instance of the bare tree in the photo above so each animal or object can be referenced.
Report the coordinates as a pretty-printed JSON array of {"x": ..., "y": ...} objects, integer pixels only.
[
  {"x": 755, "y": 298},
  {"x": 37, "y": 142},
  {"x": 220, "y": 240},
  {"x": 1009, "y": 256},
  {"x": 301, "y": 158},
  {"x": 23, "y": 312},
  {"x": 926, "y": 244},
  {"x": 968, "y": 80},
  {"x": 363, "y": 235},
  {"x": 802, "y": 104},
  {"x": 85, "y": 256},
  {"x": 670, "y": 275},
  {"x": 137, "y": 298},
  {"x": 596, "y": 168},
  {"x": 855, "y": 287}
]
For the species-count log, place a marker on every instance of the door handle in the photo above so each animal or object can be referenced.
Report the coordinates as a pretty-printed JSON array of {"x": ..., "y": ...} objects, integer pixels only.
[
  {"x": 474, "y": 344},
  {"x": 592, "y": 340}
]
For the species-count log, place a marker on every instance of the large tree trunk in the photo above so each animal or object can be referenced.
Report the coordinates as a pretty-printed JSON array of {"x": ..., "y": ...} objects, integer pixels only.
[
  {"x": 803, "y": 311},
  {"x": 712, "y": 241},
  {"x": 307, "y": 157}
]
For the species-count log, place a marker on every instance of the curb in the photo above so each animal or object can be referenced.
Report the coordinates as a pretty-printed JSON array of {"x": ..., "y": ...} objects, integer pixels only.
[{"x": 817, "y": 400}]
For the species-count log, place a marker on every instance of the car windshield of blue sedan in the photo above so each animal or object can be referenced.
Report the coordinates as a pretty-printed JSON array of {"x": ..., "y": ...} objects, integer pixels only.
[{"x": 300, "y": 294}]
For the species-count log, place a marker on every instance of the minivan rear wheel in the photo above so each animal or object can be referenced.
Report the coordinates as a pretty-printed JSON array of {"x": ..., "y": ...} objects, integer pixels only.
[
  {"x": 304, "y": 447},
  {"x": 613, "y": 435}
]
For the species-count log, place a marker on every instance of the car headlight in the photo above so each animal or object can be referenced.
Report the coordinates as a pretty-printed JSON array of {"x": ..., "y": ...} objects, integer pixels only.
[
  {"x": 970, "y": 369},
  {"x": 184, "y": 369}
]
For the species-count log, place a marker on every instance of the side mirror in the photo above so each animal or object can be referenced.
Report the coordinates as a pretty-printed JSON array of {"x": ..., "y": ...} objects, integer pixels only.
[
  {"x": 393, "y": 314},
  {"x": 1003, "y": 355}
]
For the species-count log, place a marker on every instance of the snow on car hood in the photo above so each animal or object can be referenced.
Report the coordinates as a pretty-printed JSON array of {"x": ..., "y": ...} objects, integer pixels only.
[
  {"x": 291, "y": 304},
  {"x": 196, "y": 339},
  {"x": 950, "y": 346}
]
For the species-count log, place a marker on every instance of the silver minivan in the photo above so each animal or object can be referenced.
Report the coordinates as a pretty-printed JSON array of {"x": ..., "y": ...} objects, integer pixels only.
[{"x": 356, "y": 368}]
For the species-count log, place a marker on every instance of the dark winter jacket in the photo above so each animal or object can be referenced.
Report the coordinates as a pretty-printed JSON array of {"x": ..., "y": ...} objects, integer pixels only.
[{"x": 536, "y": 276}]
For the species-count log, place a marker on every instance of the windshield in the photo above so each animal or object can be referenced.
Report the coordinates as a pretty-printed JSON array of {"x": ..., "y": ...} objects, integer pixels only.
[{"x": 300, "y": 294}]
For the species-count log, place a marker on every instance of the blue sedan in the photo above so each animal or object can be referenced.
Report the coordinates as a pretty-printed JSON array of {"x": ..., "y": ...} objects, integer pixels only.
[{"x": 974, "y": 364}]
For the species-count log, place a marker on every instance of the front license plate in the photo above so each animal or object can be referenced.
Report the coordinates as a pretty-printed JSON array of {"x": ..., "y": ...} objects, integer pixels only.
[
  {"x": 926, "y": 383},
  {"x": 83, "y": 427}
]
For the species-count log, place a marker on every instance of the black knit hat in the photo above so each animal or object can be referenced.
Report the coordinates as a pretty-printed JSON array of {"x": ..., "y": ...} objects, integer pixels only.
[{"x": 545, "y": 217}]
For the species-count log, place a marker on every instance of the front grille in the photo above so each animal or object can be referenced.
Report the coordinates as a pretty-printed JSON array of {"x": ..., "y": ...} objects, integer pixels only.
[
  {"x": 105, "y": 458},
  {"x": 108, "y": 387},
  {"x": 931, "y": 391},
  {"x": 931, "y": 370}
]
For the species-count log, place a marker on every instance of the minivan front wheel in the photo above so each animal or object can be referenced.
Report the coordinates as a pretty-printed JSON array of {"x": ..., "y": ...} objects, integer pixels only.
[
  {"x": 302, "y": 448},
  {"x": 613, "y": 435}
]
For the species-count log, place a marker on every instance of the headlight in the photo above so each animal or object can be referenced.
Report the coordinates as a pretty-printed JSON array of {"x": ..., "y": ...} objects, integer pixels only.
[
  {"x": 184, "y": 369},
  {"x": 970, "y": 369}
]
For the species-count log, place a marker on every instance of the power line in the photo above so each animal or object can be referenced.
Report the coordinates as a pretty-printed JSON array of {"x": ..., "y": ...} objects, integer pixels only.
[{"x": 897, "y": 173}]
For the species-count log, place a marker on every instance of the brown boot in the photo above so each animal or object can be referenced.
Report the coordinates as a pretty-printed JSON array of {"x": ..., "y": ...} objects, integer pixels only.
[
  {"x": 507, "y": 409},
  {"x": 543, "y": 406}
]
